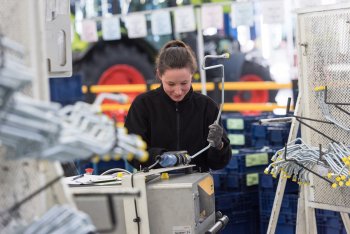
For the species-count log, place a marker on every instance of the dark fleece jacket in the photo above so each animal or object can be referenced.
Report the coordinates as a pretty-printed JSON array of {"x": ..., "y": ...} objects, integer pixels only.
[{"x": 166, "y": 125}]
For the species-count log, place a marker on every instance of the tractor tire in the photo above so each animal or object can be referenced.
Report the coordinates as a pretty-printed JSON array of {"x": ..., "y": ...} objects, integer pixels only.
[
  {"x": 252, "y": 71},
  {"x": 128, "y": 65}
]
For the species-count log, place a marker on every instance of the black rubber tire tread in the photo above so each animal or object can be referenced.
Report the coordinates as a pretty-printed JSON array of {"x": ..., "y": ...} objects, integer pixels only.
[
  {"x": 106, "y": 55},
  {"x": 263, "y": 72}
]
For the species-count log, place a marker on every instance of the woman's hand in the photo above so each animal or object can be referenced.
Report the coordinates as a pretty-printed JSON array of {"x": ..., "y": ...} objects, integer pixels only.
[{"x": 215, "y": 136}]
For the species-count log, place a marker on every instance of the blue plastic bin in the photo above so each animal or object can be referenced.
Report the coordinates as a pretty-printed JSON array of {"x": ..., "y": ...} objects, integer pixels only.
[
  {"x": 236, "y": 201},
  {"x": 242, "y": 222},
  {"x": 249, "y": 160},
  {"x": 286, "y": 223},
  {"x": 288, "y": 206},
  {"x": 66, "y": 90},
  {"x": 269, "y": 184}
]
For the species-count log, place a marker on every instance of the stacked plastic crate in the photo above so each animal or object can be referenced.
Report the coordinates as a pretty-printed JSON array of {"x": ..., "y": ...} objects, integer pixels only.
[
  {"x": 236, "y": 185},
  {"x": 287, "y": 217},
  {"x": 242, "y": 188},
  {"x": 328, "y": 222},
  {"x": 274, "y": 136},
  {"x": 239, "y": 129},
  {"x": 237, "y": 196}
]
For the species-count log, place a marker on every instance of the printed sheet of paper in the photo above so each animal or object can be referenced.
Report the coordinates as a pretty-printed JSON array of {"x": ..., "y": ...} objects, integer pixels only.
[
  {"x": 184, "y": 19},
  {"x": 111, "y": 29},
  {"x": 161, "y": 23},
  {"x": 136, "y": 25},
  {"x": 212, "y": 16},
  {"x": 273, "y": 12},
  {"x": 89, "y": 31},
  {"x": 242, "y": 14}
]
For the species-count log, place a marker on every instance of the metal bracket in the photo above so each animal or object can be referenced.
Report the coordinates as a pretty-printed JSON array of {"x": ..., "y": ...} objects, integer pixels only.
[{"x": 304, "y": 45}]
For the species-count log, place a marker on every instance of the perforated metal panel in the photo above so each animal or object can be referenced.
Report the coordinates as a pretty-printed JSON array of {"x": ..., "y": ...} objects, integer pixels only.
[{"x": 325, "y": 61}]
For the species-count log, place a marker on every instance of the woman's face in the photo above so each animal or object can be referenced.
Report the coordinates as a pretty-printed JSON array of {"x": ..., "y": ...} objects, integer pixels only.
[{"x": 176, "y": 83}]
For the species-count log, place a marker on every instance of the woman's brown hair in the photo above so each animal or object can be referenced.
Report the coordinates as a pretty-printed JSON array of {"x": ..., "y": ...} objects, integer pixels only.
[{"x": 175, "y": 54}]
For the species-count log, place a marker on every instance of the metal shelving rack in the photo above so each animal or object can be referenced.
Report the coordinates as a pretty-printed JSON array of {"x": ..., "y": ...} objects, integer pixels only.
[
  {"x": 28, "y": 187},
  {"x": 323, "y": 39}
]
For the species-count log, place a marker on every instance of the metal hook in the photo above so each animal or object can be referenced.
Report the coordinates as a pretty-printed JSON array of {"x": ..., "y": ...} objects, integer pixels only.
[
  {"x": 304, "y": 45},
  {"x": 333, "y": 103}
]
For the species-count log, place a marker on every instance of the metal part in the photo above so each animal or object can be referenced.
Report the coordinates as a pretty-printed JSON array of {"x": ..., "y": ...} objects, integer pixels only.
[
  {"x": 204, "y": 67},
  {"x": 103, "y": 190},
  {"x": 158, "y": 207},
  {"x": 304, "y": 46},
  {"x": 58, "y": 38},
  {"x": 325, "y": 108},
  {"x": 296, "y": 160},
  {"x": 276, "y": 120},
  {"x": 32, "y": 128},
  {"x": 198, "y": 213},
  {"x": 62, "y": 219},
  {"x": 73, "y": 132},
  {"x": 219, "y": 225},
  {"x": 326, "y": 64},
  {"x": 23, "y": 68},
  {"x": 174, "y": 158}
]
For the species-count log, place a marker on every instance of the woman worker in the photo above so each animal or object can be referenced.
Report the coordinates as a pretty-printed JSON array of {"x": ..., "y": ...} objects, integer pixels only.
[{"x": 173, "y": 117}]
